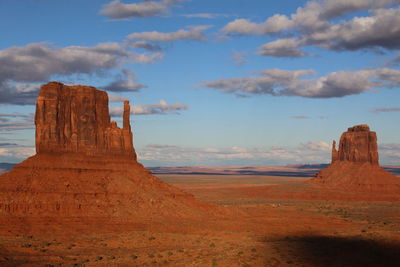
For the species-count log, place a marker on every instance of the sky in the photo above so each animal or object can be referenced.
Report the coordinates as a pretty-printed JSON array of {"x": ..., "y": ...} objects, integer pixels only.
[{"x": 228, "y": 82}]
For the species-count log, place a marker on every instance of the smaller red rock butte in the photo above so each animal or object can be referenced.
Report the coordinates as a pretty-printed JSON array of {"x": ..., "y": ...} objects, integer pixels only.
[
  {"x": 76, "y": 119},
  {"x": 355, "y": 165},
  {"x": 358, "y": 144}
]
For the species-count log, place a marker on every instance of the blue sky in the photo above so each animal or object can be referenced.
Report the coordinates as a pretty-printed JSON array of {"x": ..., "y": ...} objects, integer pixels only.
[{"x": 213, "y": 82}]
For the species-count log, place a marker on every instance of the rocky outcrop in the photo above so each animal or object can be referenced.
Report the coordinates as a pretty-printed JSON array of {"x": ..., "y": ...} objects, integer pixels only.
[
  {"x": 358, "y": 144},
  {"x": 76, "y": 119},
  {"x": 355, "y": 165}
]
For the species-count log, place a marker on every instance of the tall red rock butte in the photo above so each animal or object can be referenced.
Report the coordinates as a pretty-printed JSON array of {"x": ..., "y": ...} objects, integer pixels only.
[
  {"x": 76, "y": 119},
  {"x": 86, "y": 165},
  {"x": 355, "y": 165}
]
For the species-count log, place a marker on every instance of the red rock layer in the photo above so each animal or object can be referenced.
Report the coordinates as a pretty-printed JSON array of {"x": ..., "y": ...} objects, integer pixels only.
[
  {"x": 76, "y": 119},
  {"x": 75, "y": 185},
  {"x": 358, "y": 176}
]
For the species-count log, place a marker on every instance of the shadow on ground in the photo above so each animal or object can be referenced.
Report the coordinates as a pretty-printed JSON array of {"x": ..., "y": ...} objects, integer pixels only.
[{"x": 339, "y": 251}]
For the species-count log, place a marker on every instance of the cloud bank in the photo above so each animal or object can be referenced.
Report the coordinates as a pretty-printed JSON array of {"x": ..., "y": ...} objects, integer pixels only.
[
  {"x": 8, "y": 121},
  {"x": 311, "y": 152},
  {"x": 277, "y": 82},
  {"x": 23, "y": 68},
  {"x": 314, "y": 25}
]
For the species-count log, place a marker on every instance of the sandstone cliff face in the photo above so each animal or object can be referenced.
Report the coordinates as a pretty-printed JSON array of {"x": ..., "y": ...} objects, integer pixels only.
[
  {"x": 76, "y": 119},
  {"x": 358, "y": 144}
]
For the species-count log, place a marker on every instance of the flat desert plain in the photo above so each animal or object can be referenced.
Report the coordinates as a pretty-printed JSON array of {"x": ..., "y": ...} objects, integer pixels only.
[{"x": 271, "y": 220}]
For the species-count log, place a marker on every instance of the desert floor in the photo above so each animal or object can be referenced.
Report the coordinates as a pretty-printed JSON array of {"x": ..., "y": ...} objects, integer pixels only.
[{"x": 281, "y": 229}]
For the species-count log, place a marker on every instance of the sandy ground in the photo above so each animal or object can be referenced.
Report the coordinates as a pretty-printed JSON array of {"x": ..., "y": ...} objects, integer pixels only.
[{"x": 260, "y": 231}]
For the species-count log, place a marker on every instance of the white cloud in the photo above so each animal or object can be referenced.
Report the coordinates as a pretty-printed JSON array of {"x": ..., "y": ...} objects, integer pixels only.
[
  {"x": 282, "y": 48},
  {"x": 125, "y": 82},
  {"x": 313, "y": 16},
  {"x": 116, "y": 98},
  {"x": 380, "y": 110},
  {"x": 278, "y": 82},
  {"x": 389, "y": 153},
  {"x": 8, "y": 122},
  {"x": 145, "y": 45},
  {"x": 381, "y": 30},
  {"x": 16, "y": 63},
  {"x": 18, "y": 93},
  {"x": 239, "y": 57},
  {"x": 300, "y": 117},
  {"x": 23, "y": 68},
  {"x": 118, "y": 10},
  {"x": 160, "y": 108},
  {"x": 194, "y": 33},
  {"x": 313, "y": 25},
  {"x": 389, "y": 146},
  {"x": 17, "y": 152},
  {"x": 205, "y": 15},
  {"x": 316, "y": 146},
  {"x": 273, "y": 24}
]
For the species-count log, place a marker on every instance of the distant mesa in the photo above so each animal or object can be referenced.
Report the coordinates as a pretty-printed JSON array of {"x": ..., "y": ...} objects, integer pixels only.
[
  {"x": 355, "y": 165},
  {"x": 85, "y": 165}
]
